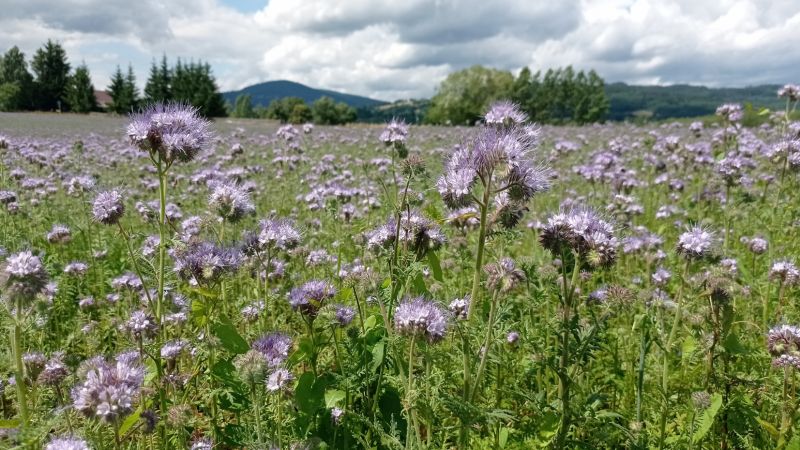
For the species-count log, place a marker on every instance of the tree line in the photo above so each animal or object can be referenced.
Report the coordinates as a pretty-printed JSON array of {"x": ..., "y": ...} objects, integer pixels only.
[
  {"x": 558, "y": 96},
  {"x": 54, "y": 86},
  {"x": 323, "y": 111}
]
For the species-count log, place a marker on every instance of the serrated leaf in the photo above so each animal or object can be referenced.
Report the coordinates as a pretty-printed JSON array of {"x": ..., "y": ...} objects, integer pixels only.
[
  {"x": 333, "y": 397},
  {"x": 435, "y": 265},
  {"x": 229, "y": 337},
  {"x": 707, "y": 419}
]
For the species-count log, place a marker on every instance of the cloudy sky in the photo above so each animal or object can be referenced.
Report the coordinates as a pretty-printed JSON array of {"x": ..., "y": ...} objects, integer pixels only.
[{"x": 391, "y": 49}]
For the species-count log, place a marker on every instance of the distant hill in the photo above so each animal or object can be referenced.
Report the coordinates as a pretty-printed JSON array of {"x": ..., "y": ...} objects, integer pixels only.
[
  {"x": 263, "y": 93},
  {"x": 680, "y": 100}
]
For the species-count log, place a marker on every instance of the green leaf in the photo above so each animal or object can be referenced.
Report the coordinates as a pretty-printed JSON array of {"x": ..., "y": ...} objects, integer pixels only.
[
  {"x": 332, "y": 397},
  {"x": 770, "y": 428},
  {"x": 733, "y": 345},
  {"x": 130, "y": 421},
  {"x": 9, "y": 423},
  {"x": 794, "y": 443},
  {"x": 310, "y": 393},
  {"x": 503, "y": 437},
  {"x": 707, "y": 419},
  {"x": 229, "y": 337},
  {"x": 203, "y": 291},
  {"x": 419, "y": 284},
  {"x": 377, "y": 356},
  {"x": 436, "y": 267}
]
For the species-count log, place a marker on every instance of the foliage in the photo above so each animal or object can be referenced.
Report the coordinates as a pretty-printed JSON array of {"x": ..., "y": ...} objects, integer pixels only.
[
  {"x": 80, "y": 91},
  {"x": 326, "y": 111},
  {"x": 51, "y": 68},
  {"x": 16, "y": 82},
  {"x": 463, "y": 97}
]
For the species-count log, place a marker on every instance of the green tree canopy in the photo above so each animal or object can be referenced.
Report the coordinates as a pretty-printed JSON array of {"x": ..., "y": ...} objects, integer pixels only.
[
  {"x": 157, "y": 88},
  {"x": 326, "y": 111},
  {"x": 52, "y": 74},
  {"x": 15, "y": 81},
  {"x": 462, "y": 98},
  {"x": 243, "y": 107},
  {"x": 80, "y": 91}
]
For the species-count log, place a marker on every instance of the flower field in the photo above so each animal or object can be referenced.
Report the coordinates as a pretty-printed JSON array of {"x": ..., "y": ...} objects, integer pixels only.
[{"x": 170, "y": 282}]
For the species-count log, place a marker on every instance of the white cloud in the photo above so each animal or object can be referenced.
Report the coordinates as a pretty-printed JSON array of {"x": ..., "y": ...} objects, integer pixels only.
[{"x": 389, "y": 49}]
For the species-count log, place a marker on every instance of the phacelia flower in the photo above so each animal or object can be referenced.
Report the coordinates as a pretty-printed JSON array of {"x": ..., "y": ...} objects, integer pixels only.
[
  {"x": 421, "y": 317},
  {"x": 24, "y": 276},
  {"x": 785, "y": 272},
  {"x": 279, "y": 380},
  {"x": 67, "y": 443},
  {"x": 583, "y": 232},
  {"x": 172, "y": 131},
  {"x": 311, "y": 296},
  {"x": 505, "y": 114},
  {"x": 108, "y": 207},
  {"x": 205, "y": 263},
  {"x": 109, "y": 390},
  {"x": 274, "y": 347},
  {"x": 231, "y": 202},
  {"x": 504, "y": 275},
  {"x": 696, "y": 243}
]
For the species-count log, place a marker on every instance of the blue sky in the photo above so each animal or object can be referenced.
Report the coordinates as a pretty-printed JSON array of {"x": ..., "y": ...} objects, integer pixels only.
[{"x": 392, "y": 50}]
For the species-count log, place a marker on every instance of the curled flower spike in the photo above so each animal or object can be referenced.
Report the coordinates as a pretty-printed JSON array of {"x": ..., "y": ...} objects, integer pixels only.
[
  {"x": 108, "y": 207},
  {"x": 696, "y": 243},
  {"x": 419, "y": 316}
]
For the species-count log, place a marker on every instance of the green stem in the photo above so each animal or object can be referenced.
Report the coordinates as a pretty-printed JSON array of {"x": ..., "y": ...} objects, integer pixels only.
[
  {"x": 22, "y": 391},
  {"x": 411, "y": 421},
  {"x": 476, "y": 277},
  {"x": 487, "y": 345},
  {"x": 676, "y": 323}
]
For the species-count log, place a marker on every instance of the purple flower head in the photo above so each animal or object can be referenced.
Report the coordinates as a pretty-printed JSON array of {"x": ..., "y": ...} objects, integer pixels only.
[
  {"x": 311, "y": 296},
  {"x": 790, "y": 91},
  {"x": 171, "y": 350},
  {"x": 583, "y": 232},
  {"x": 459, "y": 307},
  {"x": 205, "y": 263},
  {"x": 141, "y": 325},
  {"x": 109, "y": 390},
  {"x": 696, "y": 243},
  {"x": 172, "y": 131},
  {"x": 108, "y": 207},
  {"x": 54, "y": 370},
  {"x": 455, "y": 187},
  {"x": 395, "y": 133},
  {"x": 504, "y": 275},
  {"x": 279, "y": 380},
  {"x": 732, "y": 112},
  {"x": 230, "y": 201},
  {"x": 275, "y": 234},
  {"x": 344, "y": 315},
  {"x": 422, "y": 317},
  {"x": 505, "y": 114},
  {"x": 420, "y": 233},
  {"x": 67, "y": 443},
  {"x": 784, "y": 272},
  {"x": 23, "y": 276},
  {"x": 512, "y": 337},
  {"x": 784, "y": 339},
  {"x": 59, "y": 234},
  {"x": 274, "y": 347}
]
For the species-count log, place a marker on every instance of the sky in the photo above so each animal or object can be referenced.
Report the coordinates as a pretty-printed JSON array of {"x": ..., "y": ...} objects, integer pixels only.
[{"x": 389, "y": 49}]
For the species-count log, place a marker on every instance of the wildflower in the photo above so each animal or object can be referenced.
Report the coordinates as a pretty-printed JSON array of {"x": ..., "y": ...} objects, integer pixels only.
[
  {"x": 395, "y": 133},
  {"x": 583, "y": 232},
  {"x": 420, "y": 316},
  {"x": 171, "y": 350},
  {"x": 732, "y": 112},
  {"x": 109, "y": 389},
  {"x": 420, "y": 233},
  {"x": 336, "y": 415},
  {"x": 310, "y": 297},
  {"x": 785, "y": 272},
  {"x": 108, "y": 207},
  {"x": 661, "y": 277},
  {"x": 59, "y": 234},
  {"x": 76, "y": 268},
  {"x": 344, "y": 315},
  {"x": 512, "y": 338},
  {"x": 34, "y": 364},
  {"x": 67, "y": 443},
  {"x": 172, "y": 131},
  {"x": 231, "y": 202},
  {"x": 459, "y": 307},
  {"x": 202, "y": 443},
  {"x": 790, "y": 91},
  {"x": 758, "y": 245},
  {"x": 279, "y": 380},
  {"x": 504, "y": 275},
  {"x": 274, "y": 347},
  {"x": 696, "y": 243},
  {"x": 505, "y": 114},
  {"x": 54, "y": 370},
  {"x": 204, "y": 262},
  {"x": 23, "y": 277},
  {"x": 252, "y": 366},
  {"x": 141, "y": 325}
]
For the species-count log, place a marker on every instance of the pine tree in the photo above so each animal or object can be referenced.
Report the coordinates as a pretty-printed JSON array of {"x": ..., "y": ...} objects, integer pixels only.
[
  {"x": 243, "y": 108},
  {"x": 157, "y": 88},
  {"x": 16, "y": 82},
  {"x": 131, "y": 90},
  {"x": 80, "y": 91},
  {"x": 52, "y": 73},
  {"x": 117, "y": 90}
]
